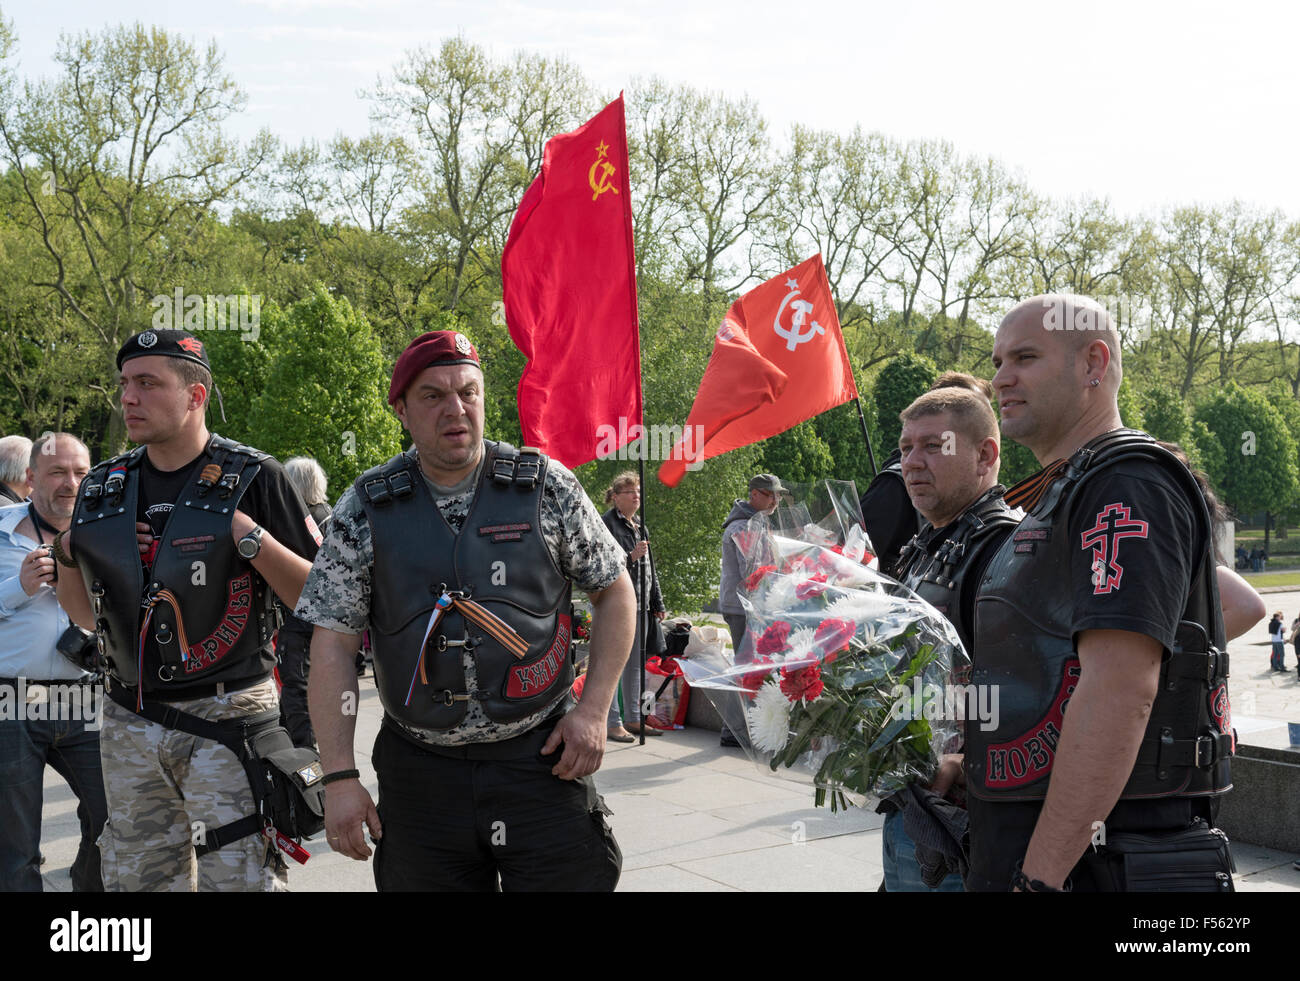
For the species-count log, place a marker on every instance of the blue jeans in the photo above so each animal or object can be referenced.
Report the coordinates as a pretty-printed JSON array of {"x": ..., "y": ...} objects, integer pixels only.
[
  {"x": 629, "y": 686},
  {"x": 26, "y": 746},
  {"x": 902, "y": 871},
  {"x": 1279, "y": 655}
]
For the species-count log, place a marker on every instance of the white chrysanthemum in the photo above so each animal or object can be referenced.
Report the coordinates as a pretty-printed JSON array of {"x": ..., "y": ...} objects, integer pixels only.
[
  {"x": 800, "y": 649},
  {"x": 769, "y": 719},
  {"x": 779, "y": 596}
]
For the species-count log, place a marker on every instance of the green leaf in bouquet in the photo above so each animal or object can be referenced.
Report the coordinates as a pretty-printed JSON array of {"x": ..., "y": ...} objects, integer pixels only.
[
  {"x": 889, "y": 733},
  {"x": 862, "y": 673}
]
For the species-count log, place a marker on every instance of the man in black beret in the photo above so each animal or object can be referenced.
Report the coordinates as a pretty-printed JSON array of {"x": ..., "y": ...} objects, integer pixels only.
[{"x": 186, "y": 631}]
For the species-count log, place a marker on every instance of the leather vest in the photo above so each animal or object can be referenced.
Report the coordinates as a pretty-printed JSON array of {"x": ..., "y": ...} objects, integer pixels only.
[
  {"x": 206, "y": 608},
  {"x": 1024, "y": 645},
  {"x": 942, "y": 576},
  {"x": 498, "y": 559}
]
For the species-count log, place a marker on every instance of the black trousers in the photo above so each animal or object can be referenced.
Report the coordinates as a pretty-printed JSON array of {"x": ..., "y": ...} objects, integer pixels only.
[
  {"x": 456, "y": 823},
  {"x": 294, "y": 655}
]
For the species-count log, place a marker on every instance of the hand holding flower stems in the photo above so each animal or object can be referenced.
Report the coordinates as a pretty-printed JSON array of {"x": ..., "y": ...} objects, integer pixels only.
[{"x": 841, "y": 652}]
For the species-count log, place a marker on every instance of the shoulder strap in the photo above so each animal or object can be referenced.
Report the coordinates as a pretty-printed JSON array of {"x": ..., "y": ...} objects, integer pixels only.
[
  {"x": 216, "y": 442},
  {"x": 235, "y": 734},
  {"x": 393, "y": 480}
]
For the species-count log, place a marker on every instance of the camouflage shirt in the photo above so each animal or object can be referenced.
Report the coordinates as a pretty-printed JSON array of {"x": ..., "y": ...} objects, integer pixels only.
[{"x": 337, "y": 593}]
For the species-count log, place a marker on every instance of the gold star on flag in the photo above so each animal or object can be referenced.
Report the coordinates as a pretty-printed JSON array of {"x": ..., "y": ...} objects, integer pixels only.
[{"x": 602, "y": 148}]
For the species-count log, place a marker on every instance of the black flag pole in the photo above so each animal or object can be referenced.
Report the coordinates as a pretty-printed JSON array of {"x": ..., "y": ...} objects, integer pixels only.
[
  {"x": 857, "y": 400},
  {"x": 640, "y": 597}
]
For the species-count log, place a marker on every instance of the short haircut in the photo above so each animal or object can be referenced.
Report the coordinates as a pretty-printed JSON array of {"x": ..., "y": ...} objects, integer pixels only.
[
  {"x": 308, "y": 476},
  {"x": 193, "y": 373},
  {"x": 622, "y": 482},
  {"x": 15, "y": 457},
  {"x": 44, "y": 439},
  {"x": 970, "y": 412},
  {"x": 960, "y": 379}
]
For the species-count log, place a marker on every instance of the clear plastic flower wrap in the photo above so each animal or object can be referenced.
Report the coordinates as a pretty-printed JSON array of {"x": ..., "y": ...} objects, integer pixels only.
[{"x": 850, "y": 682}]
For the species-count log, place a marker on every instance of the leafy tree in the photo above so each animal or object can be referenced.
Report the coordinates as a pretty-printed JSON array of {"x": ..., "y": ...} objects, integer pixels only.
[
  {"x": 899, "y": 383},
  {"x": 797, "y": 455},
  {"x": 120, "y": 161},
  {"x": 1130, "y": 404},
  {"x": 326, "y": 392},
  {"x": 1259, "y": 472},
  {"x": 840, "y": 429},
  {"x": 1165, "y": 412}
]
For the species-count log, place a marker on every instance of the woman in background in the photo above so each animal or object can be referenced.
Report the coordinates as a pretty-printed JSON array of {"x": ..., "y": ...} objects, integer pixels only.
[{"x": 625, "y": 525}]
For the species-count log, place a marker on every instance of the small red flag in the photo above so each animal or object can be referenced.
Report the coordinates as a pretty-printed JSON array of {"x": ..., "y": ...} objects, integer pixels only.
[
  {"x": 569, "y": 279},
  {"x": 778, "y": 359}
]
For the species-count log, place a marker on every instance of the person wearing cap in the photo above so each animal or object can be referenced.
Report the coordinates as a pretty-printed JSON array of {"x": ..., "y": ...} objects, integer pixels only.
[
  {"x": 763, "y": 491},
  {"x": 216, "y": 527},
  {"x": 459, "y": 556}
]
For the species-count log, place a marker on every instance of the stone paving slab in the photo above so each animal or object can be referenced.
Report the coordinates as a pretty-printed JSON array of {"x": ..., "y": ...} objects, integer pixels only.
[{"x": 692, "y": 816}]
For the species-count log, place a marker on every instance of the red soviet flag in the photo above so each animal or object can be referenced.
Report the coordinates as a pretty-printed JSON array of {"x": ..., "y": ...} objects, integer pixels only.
[
  {"x": 569, "y": 279},
  {"x": 778, "y": 359}
]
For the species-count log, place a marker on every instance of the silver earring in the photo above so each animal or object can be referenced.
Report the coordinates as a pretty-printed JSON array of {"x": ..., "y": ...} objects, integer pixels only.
[{"x": 1095, "y": 382}]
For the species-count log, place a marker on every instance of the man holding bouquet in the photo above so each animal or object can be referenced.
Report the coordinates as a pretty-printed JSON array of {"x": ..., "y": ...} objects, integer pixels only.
[{"x": 950, "y": 460}]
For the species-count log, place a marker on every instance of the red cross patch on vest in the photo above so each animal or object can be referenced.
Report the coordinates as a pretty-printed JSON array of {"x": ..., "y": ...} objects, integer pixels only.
[{"x": 1113, "y": 523}]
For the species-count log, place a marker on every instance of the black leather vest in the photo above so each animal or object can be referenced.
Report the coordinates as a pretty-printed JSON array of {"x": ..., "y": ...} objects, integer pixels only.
[
  {"x": 942, "y": 576},
  {"x": 224, "y": 617},
  {"x": 1024, "y": 645},
  {"x": 499, "y": 559}
]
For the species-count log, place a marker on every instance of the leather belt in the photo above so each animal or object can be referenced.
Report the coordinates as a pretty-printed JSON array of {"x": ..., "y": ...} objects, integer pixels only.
[
  {"x": 118, "y": 691},
  {"x": 526, "y": 745}
]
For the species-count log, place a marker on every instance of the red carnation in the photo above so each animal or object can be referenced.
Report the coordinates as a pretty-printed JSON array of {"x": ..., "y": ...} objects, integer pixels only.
[
  {"x": 774, "y": 639},
  {"x": 751, "y": 681},
  {"x": 801, "y": 683},
  {"x": 833, "y": 635},
  {"x": 752, "y": 582},
  {"x": 812, "y": 588},
  {"x": 801, "y": 564}
]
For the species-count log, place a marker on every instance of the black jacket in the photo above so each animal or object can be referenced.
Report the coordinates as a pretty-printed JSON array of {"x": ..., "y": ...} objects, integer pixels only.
[{"x": 627, "y": 538}]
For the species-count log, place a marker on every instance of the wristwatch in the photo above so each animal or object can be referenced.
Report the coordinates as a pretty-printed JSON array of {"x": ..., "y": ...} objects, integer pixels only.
[{"x": 250, "y": 544}]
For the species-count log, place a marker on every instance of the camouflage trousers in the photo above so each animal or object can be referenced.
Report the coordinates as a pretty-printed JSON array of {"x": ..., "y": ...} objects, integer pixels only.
[{"x": 165, "y": 788}]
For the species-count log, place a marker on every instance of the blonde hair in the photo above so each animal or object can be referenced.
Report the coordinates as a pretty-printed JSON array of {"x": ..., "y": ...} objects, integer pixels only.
[
  {"x": 969, "y": 411},
  {"x": 626, "y": 479}
]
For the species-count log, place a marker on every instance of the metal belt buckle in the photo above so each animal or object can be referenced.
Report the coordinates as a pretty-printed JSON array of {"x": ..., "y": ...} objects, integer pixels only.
[
  {"x": 37, "y": 694},
  {"x": 400, "y": 484},
  {"x": 448, "y": 697},
  {"x": 228, "y": 483},
  {"x": 527, "y": 472},
  {"x": 381, "y": 494},
  {"x": 503, "y": 470}
]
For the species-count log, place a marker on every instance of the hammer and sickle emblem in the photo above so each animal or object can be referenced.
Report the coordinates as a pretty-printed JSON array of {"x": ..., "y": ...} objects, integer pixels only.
[
  {"x": 601, "y": 184},
  {"x": 794, "y": 335}
]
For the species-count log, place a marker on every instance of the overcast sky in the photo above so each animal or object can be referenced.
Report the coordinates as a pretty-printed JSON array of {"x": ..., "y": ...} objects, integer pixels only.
[{"x": 1147, "y": 103}]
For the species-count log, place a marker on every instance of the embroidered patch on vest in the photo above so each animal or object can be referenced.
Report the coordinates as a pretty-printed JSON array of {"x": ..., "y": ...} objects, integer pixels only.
[
  {"x": 1029, "y": 757},
  {"x": 1027, "y": 540},
  {"x": 198, "y": 543},
  {"x": 219, "y": 643},
  {"x": 1032, "y": 535},
  {"x": 1221, "y": 712},
  {"x": 529, "y": 680},
  {"x": 506, "y": 533},
  {"x": 1103, "y": 538}
]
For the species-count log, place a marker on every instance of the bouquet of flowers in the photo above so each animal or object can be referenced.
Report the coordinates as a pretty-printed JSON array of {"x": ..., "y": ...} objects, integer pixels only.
[
  {"x": 581, "y": 623},
  {"x": 845, "y": 662}
]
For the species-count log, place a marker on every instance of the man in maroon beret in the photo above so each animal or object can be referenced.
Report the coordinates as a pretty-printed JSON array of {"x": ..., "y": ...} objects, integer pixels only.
[{"x": 459, "y": 557}]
